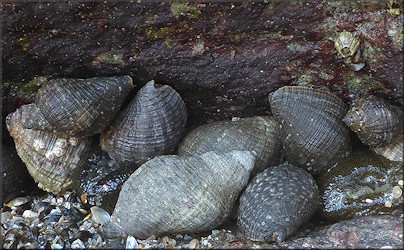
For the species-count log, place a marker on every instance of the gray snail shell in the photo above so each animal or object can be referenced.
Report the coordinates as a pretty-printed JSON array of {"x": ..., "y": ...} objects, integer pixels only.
[
  {"x": 392, "y": 151},
  {"x": 313, "y": 134},
  {"x": 258, "y": 133},
  {"x": 79, "y": 107},
  {"x": 276, "y": 203},
  {"x": 172, "y": 195},
  {"x": 49, "y": 157},
  {"x": 376, "y": 121},
  {"x": 363, "y": 183},
  {"x": 151, "y": 125}
]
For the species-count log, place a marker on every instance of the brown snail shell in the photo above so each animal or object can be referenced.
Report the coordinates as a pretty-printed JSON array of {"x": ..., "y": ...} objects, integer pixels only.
[
  {"x": 258, "y": 133},
  {"x": 79, "y": 107},
  {"x": 276, "y": 203},
  {"x": 376, "y": 121},
  {"x": 49, "y": 157},
  {"x": 313, "y": 133},
  {"x": 151, "y": 125},
  {"x": 172, "y": 195}
]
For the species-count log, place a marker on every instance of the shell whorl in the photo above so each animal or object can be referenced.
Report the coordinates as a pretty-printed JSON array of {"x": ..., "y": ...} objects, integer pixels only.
[
  {"x": 79, "y": 107},
  {"x": 173, "y": 194},
  {"x": 49, "y": 157},
  {"x": 151, "y": 125},
  {"x": 313, "y": 133},
  {"x": 376, "y": 121},
  {"x": 258, "y": 133},
  {"x": 276, "y": 203}
]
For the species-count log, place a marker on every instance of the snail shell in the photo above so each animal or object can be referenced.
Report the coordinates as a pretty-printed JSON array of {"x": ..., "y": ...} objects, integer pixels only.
[
  {"x": 79, "y": 107},
  {"x": 392, "y": 151},
  {"x": 172, "y": 195},
  {"x": 151, "y": 125},
  {"x": 313, "y": 133},
  {"x": 376, "y": 121},
  {"x": 258, "y": 133},
  {"x": 15, "y": 178},
  {"x": 49, "y": 157},
  {"x": 363, "y": 183},
  {"x": 276, "y": 203}
]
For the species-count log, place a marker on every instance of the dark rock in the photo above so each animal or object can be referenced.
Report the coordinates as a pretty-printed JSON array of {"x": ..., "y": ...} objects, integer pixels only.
[
  {"x": 223, "y": 58},
  {"x": 15, "y": 179},
  {"x": 360, "y": 233}
]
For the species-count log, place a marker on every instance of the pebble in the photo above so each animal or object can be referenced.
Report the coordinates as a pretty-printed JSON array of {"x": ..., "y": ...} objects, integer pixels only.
[
  {"x": 131, "y": 243},
  {"x": 99, "y": 215},
  {"x": 192, "y": 244},
  {"x": 48, "y": 221}
]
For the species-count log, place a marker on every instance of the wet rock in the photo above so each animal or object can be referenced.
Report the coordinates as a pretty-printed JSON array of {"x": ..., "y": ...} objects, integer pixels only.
[
  {"x": 223, "y": 58},
  {"x": 362, "y": 232}
]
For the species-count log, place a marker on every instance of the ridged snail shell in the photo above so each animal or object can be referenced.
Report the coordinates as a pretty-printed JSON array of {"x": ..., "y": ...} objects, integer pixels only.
[
  {"x": 171, "y": 194},
  {"x": 276, "y": 203},
  {"x": 79, "y": 107},
  {"x": 258, "y": 133},
  {"x": 392, "y": 151},
  {"x": 376, "y": 121},
  {"x": 313, "y": 133},
  {"x": 15, "y": 178},
  {"x": 49, "y": 157},
  {"x": 151, "y": 125},
  {"x": 363, "y": 183}
]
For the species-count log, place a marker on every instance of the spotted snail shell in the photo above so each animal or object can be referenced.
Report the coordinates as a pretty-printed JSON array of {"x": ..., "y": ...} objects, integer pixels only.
[
  {"x": 276, "y": 203},
  {"x": 151, "y": 125},
  {"x": 313, "y": 133},
  {"x": 79, "y": 107},
  {"x": 259, "y": 134},
  {"x": 49, "y": 157},
  {"x": 172, "y": 195}
]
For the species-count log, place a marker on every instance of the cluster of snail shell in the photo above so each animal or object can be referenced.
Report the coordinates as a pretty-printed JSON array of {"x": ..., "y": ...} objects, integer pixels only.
[
  {"x": 216, "y": 163},
  {"x": 53, "y": 134}
]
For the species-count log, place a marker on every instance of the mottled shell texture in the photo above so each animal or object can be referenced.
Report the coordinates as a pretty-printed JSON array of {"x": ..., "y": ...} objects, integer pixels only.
[
  {"x": 79, "y": 107},
  {"x": 260, "y": 134},
  {"x": 376, "y": 121},
  {"x": 347, "y": 46},
  {"x": 276, "y": 203},
  {"x": 174, "y": 195},
  {"x": 50, "y": 158},
  {"x": 313, "y": 133},
  {"x": 151, "y": 125}
]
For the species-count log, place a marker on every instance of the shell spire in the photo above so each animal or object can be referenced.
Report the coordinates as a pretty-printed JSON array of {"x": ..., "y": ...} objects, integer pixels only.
[
  {"x": 49, "y": 157},
  {"x": 172, "y": 194},
  {"x": 258, "y": 133},
  {"x": 79, "y": 107},
  {"x": 313, "y": 134},
  {"x": 151, "y": 125}
]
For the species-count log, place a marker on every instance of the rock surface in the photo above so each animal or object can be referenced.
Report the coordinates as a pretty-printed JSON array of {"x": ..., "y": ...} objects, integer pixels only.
[{"x": 223, "y": 58}]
